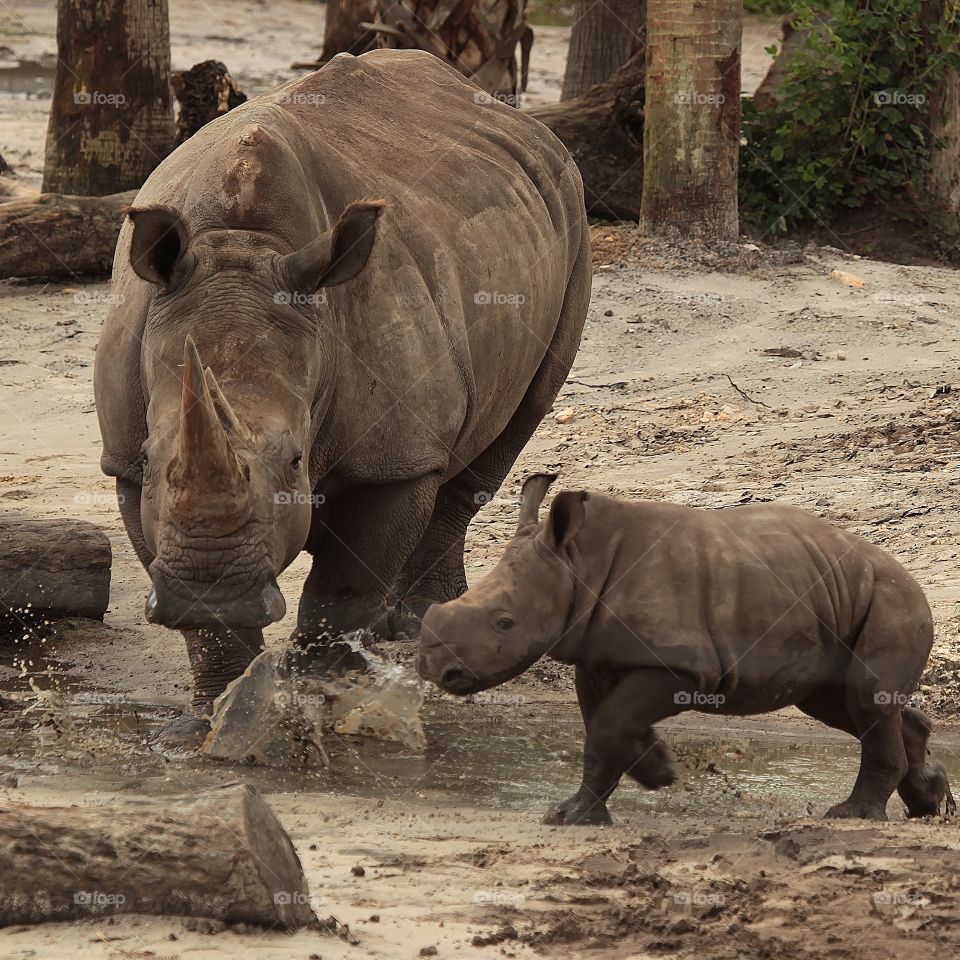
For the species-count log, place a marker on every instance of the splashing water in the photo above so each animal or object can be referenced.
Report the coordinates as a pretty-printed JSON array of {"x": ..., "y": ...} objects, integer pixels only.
[{"x": 288, "y": 703}]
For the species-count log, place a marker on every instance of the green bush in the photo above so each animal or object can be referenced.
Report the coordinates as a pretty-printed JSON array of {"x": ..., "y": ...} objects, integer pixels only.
[
  {"x": 767, "y": 7},
  {"x": 850, "y": 125}
]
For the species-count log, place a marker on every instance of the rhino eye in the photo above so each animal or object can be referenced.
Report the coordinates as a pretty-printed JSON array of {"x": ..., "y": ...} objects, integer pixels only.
[
  {"x": 503, "y": 624},
  {"x": 296, "y": 461}
]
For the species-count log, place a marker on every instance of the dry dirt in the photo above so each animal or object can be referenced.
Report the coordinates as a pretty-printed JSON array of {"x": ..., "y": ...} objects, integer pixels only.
[{"x": 707, "y": 376}]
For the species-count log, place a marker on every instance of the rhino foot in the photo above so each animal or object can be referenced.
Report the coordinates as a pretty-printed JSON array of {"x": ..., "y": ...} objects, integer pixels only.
[
  {"x": 650, "y": 763},
  {"x": 926, "y": 792},
  {"x": 184, "y": 733},
  {"x": 858, "y": 810},
  {"x": 578, "y": 811}
]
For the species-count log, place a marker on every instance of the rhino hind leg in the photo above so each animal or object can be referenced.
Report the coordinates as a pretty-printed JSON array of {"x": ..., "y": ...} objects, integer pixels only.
[
  {"x": 925, "y": 789},
  {"x": 434, "y": 572},
  {"x": 882, "y": 757}
]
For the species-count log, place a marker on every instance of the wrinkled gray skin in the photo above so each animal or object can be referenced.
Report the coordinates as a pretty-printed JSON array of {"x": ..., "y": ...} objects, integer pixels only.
[
  {"x": 289, "y": 365},
  {"x": 666, "y": 608}
]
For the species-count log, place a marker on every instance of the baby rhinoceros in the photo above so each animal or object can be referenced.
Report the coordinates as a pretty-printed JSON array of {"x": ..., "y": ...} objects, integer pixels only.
[{"x": 666, "y": 608}]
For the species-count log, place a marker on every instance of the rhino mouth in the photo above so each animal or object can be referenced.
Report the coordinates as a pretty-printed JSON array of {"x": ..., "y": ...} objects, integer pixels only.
[{"x": 185, "y": 605}]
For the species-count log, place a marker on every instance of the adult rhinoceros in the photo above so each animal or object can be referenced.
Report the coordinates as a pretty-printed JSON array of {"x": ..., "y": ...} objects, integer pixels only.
[{"x": 290, "y": 365}]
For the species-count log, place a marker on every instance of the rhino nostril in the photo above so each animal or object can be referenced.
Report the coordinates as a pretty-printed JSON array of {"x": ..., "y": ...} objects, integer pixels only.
[{"x": 455, "y": 680}]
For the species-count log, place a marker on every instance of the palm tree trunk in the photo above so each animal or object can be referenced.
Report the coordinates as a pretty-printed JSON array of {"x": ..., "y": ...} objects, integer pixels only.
[
  {"x": 111, "y": 117},
  {"x": 691, "y": 135},
  {"x": 478, "y": 37},
  {"x": 605, "y": 35}
]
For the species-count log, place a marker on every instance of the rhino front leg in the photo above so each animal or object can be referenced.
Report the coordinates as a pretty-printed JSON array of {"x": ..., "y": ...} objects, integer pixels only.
[
  {"x": 621, "y": 731},
  {"x": 218, "y": 655},
  {"x": 360, "y": 547},
  {"x": 588, "y": 806}
]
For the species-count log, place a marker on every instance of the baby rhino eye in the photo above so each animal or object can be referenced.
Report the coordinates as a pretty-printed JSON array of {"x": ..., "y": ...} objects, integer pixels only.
[
  {"x": 296, "y": 461},
  {"x": 504, "y": 623}
]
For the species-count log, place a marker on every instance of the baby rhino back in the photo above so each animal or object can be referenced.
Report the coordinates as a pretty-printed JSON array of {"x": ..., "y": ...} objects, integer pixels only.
[{"x": 764, "y": 600}]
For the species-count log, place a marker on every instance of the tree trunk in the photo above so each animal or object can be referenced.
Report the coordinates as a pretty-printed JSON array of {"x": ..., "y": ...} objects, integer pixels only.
[
  {"x": 478, "y": 37},
  {"x": 221, "y": 854},
  {"x": 603, "y": 130},
  {"x": 343, "y": 33},
  {"x": 57, "y": 568},
  {"x": 60, "y": 237},
  {"x": 604, "y": 37},
  {"x": 205, "y": 91},
  {"x": 691, "y": 137},
  {"x": 111, "y": 116},
  {"x": 944, "y": 129}
]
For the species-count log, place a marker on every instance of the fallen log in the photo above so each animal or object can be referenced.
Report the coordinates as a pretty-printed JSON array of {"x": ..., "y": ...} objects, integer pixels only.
[
  {"x": 57, "y": 568},
  {"x": 603, "y": 130},
  {"x": 220, "y": 854},
  {"x": 58, "y": 236}
]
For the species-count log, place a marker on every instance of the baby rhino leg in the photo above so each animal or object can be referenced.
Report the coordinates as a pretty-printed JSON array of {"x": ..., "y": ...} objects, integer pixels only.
[
  {"x": 925, "y": 788},
  {"x": 621, "y": 731},
  {"x": 588, "y": 806}
]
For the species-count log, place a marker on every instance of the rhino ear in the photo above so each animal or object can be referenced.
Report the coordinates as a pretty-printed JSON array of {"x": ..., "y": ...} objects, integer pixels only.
[
  {"x": 566, "y": 518},
  {"x": 532, "y": 492},
  {"x": 339, "y": 254},
  {"x": 159, "y": 244}
]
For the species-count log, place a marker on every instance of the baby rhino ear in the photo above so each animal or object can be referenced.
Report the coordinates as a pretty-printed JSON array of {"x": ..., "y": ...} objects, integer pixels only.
[{"x": 566, "y": 518}]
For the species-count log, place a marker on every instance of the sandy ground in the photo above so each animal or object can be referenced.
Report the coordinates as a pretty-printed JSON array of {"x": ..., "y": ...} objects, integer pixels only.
[{"x": 839, "y": 403}]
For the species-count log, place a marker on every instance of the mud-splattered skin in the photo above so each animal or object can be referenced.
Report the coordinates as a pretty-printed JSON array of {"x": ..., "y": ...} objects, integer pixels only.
[
  {"x": 289, "y": 365},
  {"x": 665, "y": 608}
]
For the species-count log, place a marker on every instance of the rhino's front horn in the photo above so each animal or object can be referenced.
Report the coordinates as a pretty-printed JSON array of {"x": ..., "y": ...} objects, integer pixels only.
[{"x": 205, "y": 452}]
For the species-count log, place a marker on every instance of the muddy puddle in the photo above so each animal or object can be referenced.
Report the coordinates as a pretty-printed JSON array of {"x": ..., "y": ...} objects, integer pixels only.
[{"x": 58, "y": 733}]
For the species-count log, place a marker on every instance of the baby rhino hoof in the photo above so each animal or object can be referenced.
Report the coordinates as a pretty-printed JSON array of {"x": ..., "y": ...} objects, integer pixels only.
[
  {"x": 927, "y": 792},
  {"x": 858, "y": 810},
  {"x": 652, "y": 765},
  {"x": 578, "y": 811},
  {"x": 184, "y": 733}
]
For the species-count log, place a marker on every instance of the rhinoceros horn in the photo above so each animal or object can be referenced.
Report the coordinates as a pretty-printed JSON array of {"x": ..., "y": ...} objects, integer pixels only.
[
  {"x": 205, "y": 452},
  {"x": 532, "y": 492}
]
